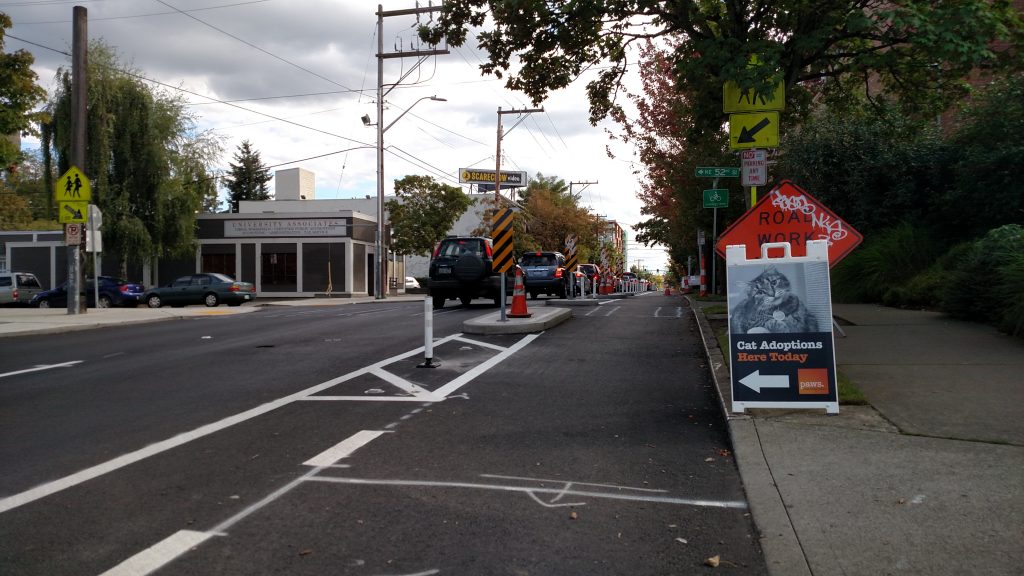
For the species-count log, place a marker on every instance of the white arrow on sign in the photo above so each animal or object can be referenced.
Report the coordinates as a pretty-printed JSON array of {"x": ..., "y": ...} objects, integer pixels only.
[{"x": 756, "y": 381}]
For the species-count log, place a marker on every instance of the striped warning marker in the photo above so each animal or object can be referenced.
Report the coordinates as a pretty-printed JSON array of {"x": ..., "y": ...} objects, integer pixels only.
[{"x": 501, "y": 233}]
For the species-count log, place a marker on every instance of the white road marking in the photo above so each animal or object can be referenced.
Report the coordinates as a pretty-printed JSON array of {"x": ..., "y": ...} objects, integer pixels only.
[
  {"x": 159, "y": 554},
  {"x": 482, "y": 344},
  {"x": 113, "y": 355},
  {"x": 370, "y": 399},
  {"x": 402, "y": 384},
  {"x": 656, "y": 310},
  {"x": 54, "y": 486},
  {"x": 344, "y": 449},
  {"x": 525, "y": 489},
  {"x": 491, "y": 362},
  {"x": 40, "y": 368},
  {"x": 613, "y": 311}
]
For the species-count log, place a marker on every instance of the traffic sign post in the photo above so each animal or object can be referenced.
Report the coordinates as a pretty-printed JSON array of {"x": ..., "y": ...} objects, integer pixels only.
[
  {"x": 781, "y": 348},
  {"x": 789, "y": 214},
  {"x": 503, "y": 249},
  {"x": 714, "y": 172},
  {"x": 716, "y": 198},
  {"x": 754, "y": 167},
  {"x": 754, "y": 130}
]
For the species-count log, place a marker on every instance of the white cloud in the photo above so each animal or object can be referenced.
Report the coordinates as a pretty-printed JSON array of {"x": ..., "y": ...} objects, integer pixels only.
[{"x": 318, "y": 46}]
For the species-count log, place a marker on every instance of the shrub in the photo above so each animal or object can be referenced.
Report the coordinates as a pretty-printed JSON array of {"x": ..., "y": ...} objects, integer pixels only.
[
  {"x": 980, "y": 286},
  {"x": 884, "y": 264}
]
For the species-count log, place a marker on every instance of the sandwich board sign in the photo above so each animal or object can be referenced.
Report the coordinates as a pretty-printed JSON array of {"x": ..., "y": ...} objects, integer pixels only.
[{"x": 781, "y": 349}]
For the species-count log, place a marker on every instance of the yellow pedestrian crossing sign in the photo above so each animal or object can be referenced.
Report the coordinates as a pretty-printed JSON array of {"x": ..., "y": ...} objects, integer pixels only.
[{"x": 72, "y": 186}]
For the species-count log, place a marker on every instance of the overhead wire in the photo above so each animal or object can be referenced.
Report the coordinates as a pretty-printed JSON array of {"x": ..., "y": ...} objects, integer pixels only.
[
  {"x": 250, "y": 44},
  {"x": 96, "y": 19}
]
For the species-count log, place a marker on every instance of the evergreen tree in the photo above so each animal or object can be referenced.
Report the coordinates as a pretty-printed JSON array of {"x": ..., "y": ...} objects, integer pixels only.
[{"x": 247, "y": 179}]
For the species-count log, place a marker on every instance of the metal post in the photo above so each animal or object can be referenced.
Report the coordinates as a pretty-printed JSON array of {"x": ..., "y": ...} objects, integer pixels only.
[
  {"x": 379, "y": 259},
  {"x": 497, "y": 204},
  {"x": 428, "y": 335},
  {"x": 79, "y": 100}
]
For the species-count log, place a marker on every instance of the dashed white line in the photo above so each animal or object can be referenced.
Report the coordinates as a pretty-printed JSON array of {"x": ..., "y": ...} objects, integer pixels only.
[
  {"x": 40, "y": 368},
  {"x": 159, "y": 554},
  {"x": 344, "y": 449}
]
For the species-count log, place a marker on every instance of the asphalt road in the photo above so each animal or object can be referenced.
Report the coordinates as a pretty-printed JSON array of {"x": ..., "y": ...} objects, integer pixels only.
[{"x": 307, "y": 441}]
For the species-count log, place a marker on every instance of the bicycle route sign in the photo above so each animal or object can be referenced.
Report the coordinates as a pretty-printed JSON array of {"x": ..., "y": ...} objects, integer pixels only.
[{"x": 716, "y": 198}]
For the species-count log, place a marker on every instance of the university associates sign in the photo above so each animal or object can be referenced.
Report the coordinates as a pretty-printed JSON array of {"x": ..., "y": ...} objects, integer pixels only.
[
  {"x": 789, "y": 214},
  {"x": 285, "y": 228}
]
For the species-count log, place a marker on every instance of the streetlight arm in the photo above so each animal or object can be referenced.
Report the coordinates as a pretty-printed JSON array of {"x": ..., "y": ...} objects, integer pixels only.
[{"x": 392, "y": 123}]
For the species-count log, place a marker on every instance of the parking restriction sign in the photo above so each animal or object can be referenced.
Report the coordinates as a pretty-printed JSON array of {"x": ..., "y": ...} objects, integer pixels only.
[{"x": 73, "y": 234}]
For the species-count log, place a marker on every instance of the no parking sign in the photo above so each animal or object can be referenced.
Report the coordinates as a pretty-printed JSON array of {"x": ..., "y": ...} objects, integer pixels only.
[{"x": 782, "y": 353}]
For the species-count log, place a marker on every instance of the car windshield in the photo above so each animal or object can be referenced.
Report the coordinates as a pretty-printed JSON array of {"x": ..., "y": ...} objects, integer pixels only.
[
  {"x": 459, "y": 247},
  {"x": 537, "y": 260}
]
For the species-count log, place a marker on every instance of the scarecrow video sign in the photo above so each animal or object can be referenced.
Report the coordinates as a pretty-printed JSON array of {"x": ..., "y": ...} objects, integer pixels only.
[{"x": 780, "y": 329}]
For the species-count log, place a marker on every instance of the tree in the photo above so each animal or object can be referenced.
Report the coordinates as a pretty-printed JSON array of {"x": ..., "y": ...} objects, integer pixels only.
[
  {"x": 916, "y": 50},
  {"x": 552, "y": 213},
  {"x": 423, "y": 213},
  {"x": 142, "y": 156},
  {"x": 247, "y": 179},
  {"x": 19, "y": 95}
]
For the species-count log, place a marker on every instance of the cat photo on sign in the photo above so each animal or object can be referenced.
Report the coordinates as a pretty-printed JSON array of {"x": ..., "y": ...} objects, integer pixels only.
[{"x": 774, "y": 298}]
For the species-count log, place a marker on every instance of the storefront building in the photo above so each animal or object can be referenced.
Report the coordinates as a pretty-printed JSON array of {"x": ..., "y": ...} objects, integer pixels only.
[{"x": 300, "y": 254}]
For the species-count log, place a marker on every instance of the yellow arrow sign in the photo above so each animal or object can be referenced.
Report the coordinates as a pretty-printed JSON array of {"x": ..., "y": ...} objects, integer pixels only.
[
  {"x": 72, "y": 212},
  {"x": 758, "y": 130},
  {"x": 72, "y": 186}
]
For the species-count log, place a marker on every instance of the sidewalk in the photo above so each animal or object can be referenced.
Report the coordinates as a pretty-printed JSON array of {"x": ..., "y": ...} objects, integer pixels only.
[
  {"x": 15, "y": 321},
  {"x": 928, "y": 480}
]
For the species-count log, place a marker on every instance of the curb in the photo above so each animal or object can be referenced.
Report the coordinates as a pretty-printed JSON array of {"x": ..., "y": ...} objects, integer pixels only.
[{"x": 783, "y": 553}]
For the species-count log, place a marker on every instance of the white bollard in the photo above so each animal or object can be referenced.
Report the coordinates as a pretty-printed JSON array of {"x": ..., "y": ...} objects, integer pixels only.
[{"x": 428, "y": 334}]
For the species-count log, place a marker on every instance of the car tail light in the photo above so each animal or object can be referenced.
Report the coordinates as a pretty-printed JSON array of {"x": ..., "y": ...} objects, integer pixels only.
[
  {"x": 15, "y": 294},
  {"x": 558, "y": 272},
  {"x": 253, "y": 289},
  {"x": 488, "y": 250},
  {"x": 235, "y": 288},
  {"x": 437, "y": 250},
  {"x": 124, "y": 288}
]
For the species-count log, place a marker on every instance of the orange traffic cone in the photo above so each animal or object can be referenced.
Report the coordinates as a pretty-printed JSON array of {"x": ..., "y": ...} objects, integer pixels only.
[{"x": 519, "y": 297}]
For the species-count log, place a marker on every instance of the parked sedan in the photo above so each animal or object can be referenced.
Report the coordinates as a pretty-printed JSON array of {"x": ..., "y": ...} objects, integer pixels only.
[
  {"x": 113, "y": 292},
  {"x": 210, "y": 289}
]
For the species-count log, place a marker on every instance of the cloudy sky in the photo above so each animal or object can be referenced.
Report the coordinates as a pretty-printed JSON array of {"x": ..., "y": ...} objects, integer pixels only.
[{"x": 294, "y": 77}]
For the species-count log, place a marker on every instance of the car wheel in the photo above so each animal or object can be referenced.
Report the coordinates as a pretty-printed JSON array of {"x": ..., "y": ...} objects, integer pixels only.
[
  {"x": 438, "y": 301},
  {"x": 465, "y": 299},
  {"x": 154, "y": 301},
  {"x": 469, "y": 268},
  {"x": 44, "y": 303},
  {"x": 211, "y": 300},
  {"x": 105, "y": 301}
]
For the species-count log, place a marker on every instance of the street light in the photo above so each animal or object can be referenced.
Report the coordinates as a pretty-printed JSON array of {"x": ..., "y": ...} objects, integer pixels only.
[{"x": 380, "y": 262}]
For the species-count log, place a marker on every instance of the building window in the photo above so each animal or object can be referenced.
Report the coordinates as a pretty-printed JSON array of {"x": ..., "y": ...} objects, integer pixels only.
[
  {"x": 280, "y": 272},
  {"x": 222, "y": 263}
]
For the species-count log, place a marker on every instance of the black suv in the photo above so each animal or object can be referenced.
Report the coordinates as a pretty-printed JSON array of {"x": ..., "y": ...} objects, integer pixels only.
[{"x": 461, "y": 267}]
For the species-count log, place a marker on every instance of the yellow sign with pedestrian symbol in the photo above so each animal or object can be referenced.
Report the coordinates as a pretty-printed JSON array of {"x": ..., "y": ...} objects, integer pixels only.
[
  {"x": 736, "y": 100},
  {"x": 73, "y": 212},
  {"x": 72, "y": 186},
  {"x": 757, "y": 130}
]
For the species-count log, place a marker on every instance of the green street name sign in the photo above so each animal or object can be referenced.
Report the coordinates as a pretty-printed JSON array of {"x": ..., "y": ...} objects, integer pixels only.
[
  {"x": 716, "y": 198},
  {"x": 705, "y": 172}
]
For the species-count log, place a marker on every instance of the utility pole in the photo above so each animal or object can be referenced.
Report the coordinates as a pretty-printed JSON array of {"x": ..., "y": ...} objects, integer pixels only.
[
  {"x": 79, "y": 100},
  {"x": 380, "y": 259},
  {"x": 497, "y": 178}
]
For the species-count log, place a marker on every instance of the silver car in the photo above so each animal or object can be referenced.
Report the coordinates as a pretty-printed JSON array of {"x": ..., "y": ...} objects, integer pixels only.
[{"x": 18, "y": 288}]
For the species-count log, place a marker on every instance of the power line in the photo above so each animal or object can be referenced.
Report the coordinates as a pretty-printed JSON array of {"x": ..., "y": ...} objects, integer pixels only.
[
  {"x": 34, "y": 4},
  {"x": 247, "y": 43}
]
